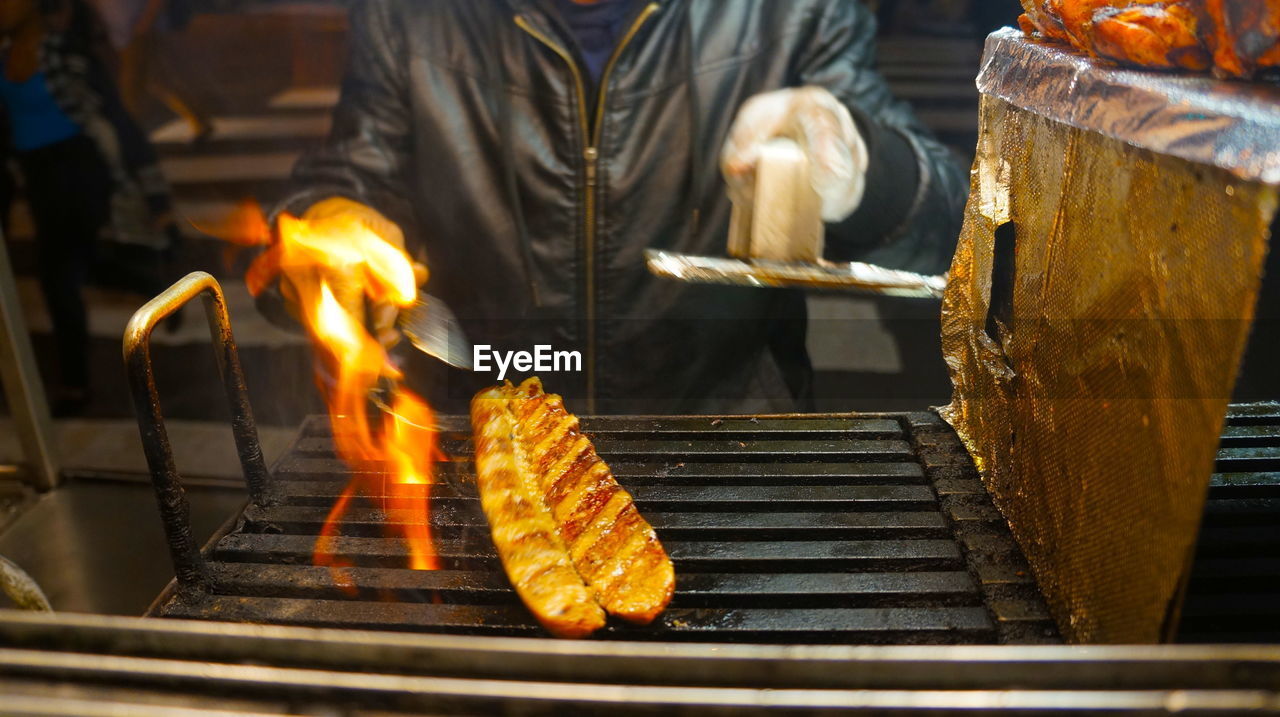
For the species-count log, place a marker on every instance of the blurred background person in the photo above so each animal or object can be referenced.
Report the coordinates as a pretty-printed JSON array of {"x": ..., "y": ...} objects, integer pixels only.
[
  {"x": 137, "y": 30},
  {"x": 88, "y": 171}
]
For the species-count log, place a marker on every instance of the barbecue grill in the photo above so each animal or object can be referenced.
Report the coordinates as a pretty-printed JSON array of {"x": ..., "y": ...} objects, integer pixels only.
[
  {"x": 786, "y": 529},
  {"x": 795, "y": 529},
  {"x": 801, "y": 529},
  {"x": 790, "y": 529}
]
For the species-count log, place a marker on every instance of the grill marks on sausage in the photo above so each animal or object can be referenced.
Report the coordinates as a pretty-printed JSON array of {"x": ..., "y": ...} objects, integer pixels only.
[
  {"x": 532, "y": 551},
  {"x": 571, "y": 480},
  {"x": 610, "y": 543},
  {"x": 611, "y": 546}
]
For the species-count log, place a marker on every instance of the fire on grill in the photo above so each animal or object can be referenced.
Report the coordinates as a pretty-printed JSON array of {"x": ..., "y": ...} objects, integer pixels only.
[
  {"x": 569, "y": 538},
  {"x": 314, "y": 260}
]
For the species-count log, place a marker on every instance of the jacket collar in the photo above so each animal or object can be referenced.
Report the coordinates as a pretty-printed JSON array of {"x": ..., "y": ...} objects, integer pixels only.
[
  {"x": 543, "y": 15},
  {"x": 542, "y": 6},
  {"x": 522, "y": 5}
]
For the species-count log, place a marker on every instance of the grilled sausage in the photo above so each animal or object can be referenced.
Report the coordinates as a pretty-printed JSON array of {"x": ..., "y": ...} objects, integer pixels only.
[
  {"x": 611, "y": 546},
  {"x": 528, "y": 542}
]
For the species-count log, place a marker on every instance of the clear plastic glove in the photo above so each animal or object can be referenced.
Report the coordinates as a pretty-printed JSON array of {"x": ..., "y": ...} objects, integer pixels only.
[
  {"x": 351, "y": 291},
  {"x": 821, "y": 125}
]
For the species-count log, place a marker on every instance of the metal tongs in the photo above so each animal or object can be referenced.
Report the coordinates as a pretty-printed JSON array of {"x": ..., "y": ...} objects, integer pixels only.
[{"x": 433, "y": 329}]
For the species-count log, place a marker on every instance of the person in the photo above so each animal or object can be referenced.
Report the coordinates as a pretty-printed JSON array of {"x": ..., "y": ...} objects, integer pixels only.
[
  {"x": 530, "y": 151},
  {"x": 88, "y": 173},
  {"x": 136, "y": 29}
]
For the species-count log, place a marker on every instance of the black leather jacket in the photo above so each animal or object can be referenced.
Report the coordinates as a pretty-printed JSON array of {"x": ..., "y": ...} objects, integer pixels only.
[{"x": 532, "y": 196}]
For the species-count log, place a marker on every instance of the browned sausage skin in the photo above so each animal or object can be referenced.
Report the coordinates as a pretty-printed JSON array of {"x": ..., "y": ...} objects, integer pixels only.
[
  {"x": 532, "y": 553},
  {"x": 610, "y": 545}
]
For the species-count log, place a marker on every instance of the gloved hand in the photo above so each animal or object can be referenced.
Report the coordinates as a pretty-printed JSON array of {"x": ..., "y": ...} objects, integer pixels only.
[
  {"x": 350, "y": 282},
  {"x": 819, "y": 123}
]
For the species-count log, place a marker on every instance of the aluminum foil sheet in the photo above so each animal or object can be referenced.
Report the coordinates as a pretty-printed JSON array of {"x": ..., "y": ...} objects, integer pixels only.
[
  {"x": 1101, "y": 297},
  {"x": 852, "y": 276},
  {"x": 1234, "y": 126}
]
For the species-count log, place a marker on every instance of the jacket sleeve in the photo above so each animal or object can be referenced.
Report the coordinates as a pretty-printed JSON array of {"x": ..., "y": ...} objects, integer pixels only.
[
  {"x": 916, "y": 189},
  {"x": 367, "y": 155}
]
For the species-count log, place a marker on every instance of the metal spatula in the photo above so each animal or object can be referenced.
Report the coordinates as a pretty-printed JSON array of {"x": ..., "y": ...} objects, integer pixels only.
[{"x": 433, "y": 329}]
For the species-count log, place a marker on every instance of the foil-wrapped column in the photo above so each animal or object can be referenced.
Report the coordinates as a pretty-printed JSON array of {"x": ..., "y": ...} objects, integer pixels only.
[{"x": 1099, "y": 304}]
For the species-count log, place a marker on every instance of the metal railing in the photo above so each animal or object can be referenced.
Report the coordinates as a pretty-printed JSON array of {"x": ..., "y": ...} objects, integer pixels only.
[{"x": 20, "y": 377}]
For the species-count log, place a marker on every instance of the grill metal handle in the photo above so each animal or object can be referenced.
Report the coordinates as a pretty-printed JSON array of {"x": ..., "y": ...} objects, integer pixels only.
[{"x": 189, "y": 566}]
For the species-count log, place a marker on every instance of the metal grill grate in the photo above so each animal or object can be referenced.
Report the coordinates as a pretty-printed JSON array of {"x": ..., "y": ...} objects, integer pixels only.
[
  {"x": 782, "y": 529},
  {"x": 1234, "y": 593}
]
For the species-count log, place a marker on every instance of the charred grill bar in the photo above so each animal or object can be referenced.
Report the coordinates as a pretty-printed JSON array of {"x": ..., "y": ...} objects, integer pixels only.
[
  {"x": 77, "y": 665},
  {"x": 1234, "y": 592},
  {"x": 868, "y": 529}
]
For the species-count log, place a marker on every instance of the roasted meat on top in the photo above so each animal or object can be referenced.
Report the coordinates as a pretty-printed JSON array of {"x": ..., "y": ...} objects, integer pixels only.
[{"x": 1233, "y": 37}]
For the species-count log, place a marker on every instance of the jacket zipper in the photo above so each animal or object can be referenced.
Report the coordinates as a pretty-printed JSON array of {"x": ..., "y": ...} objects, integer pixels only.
[{"x": 591, "y": 157}]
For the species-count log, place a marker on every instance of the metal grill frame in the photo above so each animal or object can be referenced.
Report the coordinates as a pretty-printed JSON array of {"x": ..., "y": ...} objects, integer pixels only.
[{"x": 88, "y": 664}]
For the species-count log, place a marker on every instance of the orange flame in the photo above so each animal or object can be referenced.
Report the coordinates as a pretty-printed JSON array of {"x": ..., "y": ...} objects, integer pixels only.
[{"x": 325, "y": 267}]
